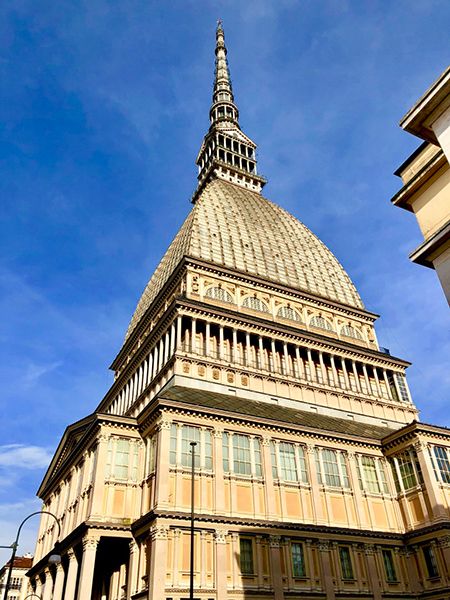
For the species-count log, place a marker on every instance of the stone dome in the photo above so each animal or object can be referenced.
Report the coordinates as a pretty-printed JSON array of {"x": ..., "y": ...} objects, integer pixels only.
[{"x": 239, "y": 229}]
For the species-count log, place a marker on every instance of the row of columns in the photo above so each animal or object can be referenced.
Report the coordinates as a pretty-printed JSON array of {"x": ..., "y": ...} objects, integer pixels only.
[
  {"x": 149, "y": 368},
  {"x": 293, "y": 364},
  {"x": 67, "y": 581}
]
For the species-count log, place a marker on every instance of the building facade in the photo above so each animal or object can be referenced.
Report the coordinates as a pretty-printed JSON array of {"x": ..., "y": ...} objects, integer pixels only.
[
  {"x": 313, "y": 476},
  {"x": 426, "y": 178},
  {"x": 19, "y": 587}
]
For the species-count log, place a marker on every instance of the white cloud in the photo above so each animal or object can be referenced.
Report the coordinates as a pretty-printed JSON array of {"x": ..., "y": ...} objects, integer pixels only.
[{"x": 20, "y": 456}]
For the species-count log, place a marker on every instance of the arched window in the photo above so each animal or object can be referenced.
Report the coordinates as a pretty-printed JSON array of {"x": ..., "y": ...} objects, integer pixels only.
[
  {"x": 286, "y": 312},
  {"x": 218, "y": 293},
  {"x": 352, "y": 332},
  {"x": 255, "y": 304},
  {"x": 321, "y": 323}
]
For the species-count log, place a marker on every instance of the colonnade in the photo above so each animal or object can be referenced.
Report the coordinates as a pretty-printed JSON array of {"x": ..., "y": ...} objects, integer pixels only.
[{"x": 264, "y": 353}]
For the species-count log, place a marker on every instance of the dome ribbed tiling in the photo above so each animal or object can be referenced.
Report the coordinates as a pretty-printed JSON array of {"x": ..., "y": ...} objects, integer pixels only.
[{"x": 237, "y": 228}]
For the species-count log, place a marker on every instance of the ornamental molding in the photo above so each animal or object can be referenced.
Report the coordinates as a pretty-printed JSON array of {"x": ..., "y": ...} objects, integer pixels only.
[
  {"x": 90, "y": 542},
  {"x": 275, "y": 541},
  {"x": 220, "y": 536},
  {"x": 159, "y": 532}
]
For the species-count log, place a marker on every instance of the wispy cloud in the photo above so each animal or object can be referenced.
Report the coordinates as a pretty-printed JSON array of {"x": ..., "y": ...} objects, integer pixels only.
[{"x": 20, "y": 456}]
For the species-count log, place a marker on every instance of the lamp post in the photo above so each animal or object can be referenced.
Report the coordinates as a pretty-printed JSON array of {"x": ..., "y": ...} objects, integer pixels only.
[
  {"x": 54, "y": 558},
  {"x": 191, "y": 569},
  {"x": 31, "y": 596}
]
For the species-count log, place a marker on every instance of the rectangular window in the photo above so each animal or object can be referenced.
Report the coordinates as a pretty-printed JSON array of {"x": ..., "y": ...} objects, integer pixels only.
[
  {"x": 372, "y": 477},
  {"x": 332, "y": 468},
  {"x": 430, "y": 561},
  {"x": 441, "y": 460},
  {"x": 288, "y": 462},
  {"x": 298, "y": 560},
  {"x": 180, "y": 454},
  {"x": 246, "y": 556},
  {"x": 389, "y": 568},
  {"x": 241, "y": 454},
  {"x": 401, "y": 383},
  {"x": 406, "y": 465},
  {"x": 346, "y": 562},
  {"x": 122, "y": 459}
]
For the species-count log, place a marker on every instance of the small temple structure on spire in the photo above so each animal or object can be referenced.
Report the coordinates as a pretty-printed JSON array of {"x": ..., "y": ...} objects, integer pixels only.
[{"x": 226, "y": 152}]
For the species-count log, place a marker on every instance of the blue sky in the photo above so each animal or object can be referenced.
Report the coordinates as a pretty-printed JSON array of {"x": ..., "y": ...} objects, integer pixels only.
[{"x": 103, "y": 108}]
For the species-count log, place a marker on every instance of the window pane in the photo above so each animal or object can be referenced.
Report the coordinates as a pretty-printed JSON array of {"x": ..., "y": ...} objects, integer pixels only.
[
  {"x": 389, "y": 568},
  {"x": 330, "y": 467},
  {"x": 346, "y": 563},
  {"x": 188, "y": 435},
  {"x": 370, "y": 474},
  {"x": 225, "y": 452},
  {"x": 298, "y": 560},
  {"x": 246, "y": 556},
  {"x": 173, "y": 444},
  {"x": 257, "y": 457},
  {"x": 241, "y": 455},
  {"x": 274, "y": 460},
  {"x": 302, "y": 464},
  {"x": 443, "y": 463},
  {"x": 121, "y": 459},
  {"x": 287, "y": 462},
  {"x": 430, "y": 561}
]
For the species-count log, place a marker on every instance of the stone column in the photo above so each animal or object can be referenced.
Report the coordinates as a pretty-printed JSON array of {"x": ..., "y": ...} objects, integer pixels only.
[
  {"x": 377, "y": 381},
  {"x": 322, "y": 368},
  {"x": 261, "y": 364},
  {"x": 48, "y": 585},
  {"x": 133, "y": 584},
  {"x": 59, "y": 583},
  {"x": 234, "y": 347},
  {"x": 386, "y": 383},
  {"x": 157, "y": 562},
  {"x": 411, "y": 567},
  {"x": 275, "y": 567},
  {"x": 38, "y": 589},
  {"x": 172, "y": 339},
  {"x": 72, "y": 573},
  {"x": 312, "y": 368},
  {"x": 99, "y": 477},
  {"x": 90, "y": 544},
  {"x": 194, "y": 336},
  {"x": 219, "y": 485},
  {"x": 162, "y": 466},
  {"x": 344, "y": 370},
  {"x": 356, "y": 376},
  {"x": 366, "y": 377},
  {"x": 357, "y": 495},
  {"x": 208, "y": 339},
  {"x": 337, "y": 382},
  {"x": 179, "y": 333},
  {"x": 372, "y": 572},
  {"x": 273, "y": 356},
  {"x": 317, "y": 508},
  {"x": 220, "y": 353},
  {"x": 268, "y": 480},
  {"x": 327, "y": 573}
]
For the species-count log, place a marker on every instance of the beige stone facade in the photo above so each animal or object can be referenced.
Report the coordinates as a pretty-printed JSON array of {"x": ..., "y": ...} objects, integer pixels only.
[
  {"x": 426, "y": 178},
  {"x": 313, "y": 476}
]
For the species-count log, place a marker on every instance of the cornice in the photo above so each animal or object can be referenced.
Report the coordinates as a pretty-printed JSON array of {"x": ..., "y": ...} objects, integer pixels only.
[{"x": 256, "y": 525}]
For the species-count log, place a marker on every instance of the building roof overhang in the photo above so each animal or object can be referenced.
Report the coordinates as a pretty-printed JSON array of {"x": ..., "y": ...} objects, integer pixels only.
[
  {"x": 433, "y": 247},
  {"x": 405, "y": 196},
  {"x": 419, "y": 119}
]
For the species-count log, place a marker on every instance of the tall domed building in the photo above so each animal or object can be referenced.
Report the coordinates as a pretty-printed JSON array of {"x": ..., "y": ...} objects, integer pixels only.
[{"x": 313, "y": 477}]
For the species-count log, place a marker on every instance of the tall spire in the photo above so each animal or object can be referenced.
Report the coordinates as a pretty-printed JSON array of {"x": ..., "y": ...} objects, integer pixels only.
[
  {"x": 226, "y": 152},
  {"x": 223, "y": 98}
]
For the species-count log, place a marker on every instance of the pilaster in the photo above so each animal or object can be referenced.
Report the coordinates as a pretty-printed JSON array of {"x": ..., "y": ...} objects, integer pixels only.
[
  {"x": 72, "y": 573},
  {"x": 59, "y": 583},
  {"x": 157, "y": 557},
  {"x": 275, "y": 567},
  {"x": 90, "y": 543}
]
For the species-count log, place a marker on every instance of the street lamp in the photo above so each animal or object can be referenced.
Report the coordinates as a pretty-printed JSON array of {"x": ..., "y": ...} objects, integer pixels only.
[
  {"x": 33, "y": 595},
  {"x": 191, "y": 570},
  {"x": 54, "y": 557}
]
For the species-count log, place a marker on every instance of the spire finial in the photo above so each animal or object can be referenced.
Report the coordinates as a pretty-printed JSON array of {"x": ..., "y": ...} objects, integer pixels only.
[
  {"x": 223, "y": 92},
  {"x": 226, "y": 151}
]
